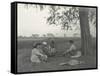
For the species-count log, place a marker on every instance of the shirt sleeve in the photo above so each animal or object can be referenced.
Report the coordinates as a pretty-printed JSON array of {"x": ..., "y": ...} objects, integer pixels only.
[{"x": 73, "y": 47}]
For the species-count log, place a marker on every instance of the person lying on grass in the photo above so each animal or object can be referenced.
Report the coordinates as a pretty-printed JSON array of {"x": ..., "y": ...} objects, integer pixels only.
[
  {"x": 72, "y": 51},
  {"x": 37, "y": 55}
]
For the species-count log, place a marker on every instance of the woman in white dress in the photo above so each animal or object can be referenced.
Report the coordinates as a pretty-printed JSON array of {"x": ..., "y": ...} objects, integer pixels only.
[{"x": 37, "y": 54}]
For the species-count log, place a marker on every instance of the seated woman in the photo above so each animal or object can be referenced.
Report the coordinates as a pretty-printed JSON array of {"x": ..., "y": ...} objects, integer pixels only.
[
  {"x": 72, "y": 51},
  {"x": 37, "y": 54}
]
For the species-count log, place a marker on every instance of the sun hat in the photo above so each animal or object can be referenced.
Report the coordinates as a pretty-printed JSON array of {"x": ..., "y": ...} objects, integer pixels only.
[{"x": 44, "y": 43}]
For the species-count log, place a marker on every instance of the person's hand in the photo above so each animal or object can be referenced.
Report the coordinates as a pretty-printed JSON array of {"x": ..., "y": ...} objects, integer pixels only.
[
  {"x": 44, "y": 57},
  {"x": 64, "y": 54}
]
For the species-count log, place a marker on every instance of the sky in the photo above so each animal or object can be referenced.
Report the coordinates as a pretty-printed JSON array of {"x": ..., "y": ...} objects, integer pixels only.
[{"x": 33, "y": 21}]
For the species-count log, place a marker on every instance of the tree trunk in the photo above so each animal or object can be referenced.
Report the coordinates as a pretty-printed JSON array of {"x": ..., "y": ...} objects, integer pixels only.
[{"x": 85, "y": 31}]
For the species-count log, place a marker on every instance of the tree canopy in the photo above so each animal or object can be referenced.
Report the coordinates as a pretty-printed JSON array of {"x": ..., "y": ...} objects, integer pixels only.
[{"x": 64, "y": 15}]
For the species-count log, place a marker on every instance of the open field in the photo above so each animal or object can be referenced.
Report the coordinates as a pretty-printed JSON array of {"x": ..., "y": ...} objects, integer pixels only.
[{"x": 24, "y": 52}]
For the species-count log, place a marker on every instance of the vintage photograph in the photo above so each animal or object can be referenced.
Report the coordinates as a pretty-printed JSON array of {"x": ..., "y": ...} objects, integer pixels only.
[{"x": 56, "y": 37}]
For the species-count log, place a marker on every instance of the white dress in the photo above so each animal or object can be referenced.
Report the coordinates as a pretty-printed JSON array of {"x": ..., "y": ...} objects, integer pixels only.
[{"x": 35, "y": 55}]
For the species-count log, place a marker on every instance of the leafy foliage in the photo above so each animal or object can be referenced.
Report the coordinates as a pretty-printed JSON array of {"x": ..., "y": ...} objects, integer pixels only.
[{"x": 64, "y": 16}]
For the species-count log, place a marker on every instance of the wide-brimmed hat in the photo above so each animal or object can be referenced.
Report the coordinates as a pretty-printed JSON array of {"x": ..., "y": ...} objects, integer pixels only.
[{"x": 44, "y": 43}]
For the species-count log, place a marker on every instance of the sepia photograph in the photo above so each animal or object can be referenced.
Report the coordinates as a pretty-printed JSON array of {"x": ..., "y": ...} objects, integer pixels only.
[{"x": 55, "y": 37}]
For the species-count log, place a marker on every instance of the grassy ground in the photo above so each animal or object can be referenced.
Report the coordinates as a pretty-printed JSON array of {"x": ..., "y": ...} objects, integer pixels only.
[{"x": 24, "y": 53}]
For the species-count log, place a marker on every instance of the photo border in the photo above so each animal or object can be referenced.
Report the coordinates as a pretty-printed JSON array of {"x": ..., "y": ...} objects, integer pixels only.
[{"x": 14, "y": 18}]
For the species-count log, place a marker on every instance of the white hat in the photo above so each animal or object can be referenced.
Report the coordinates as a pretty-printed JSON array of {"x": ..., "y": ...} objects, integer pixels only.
[{"x": 45, "y": 43}]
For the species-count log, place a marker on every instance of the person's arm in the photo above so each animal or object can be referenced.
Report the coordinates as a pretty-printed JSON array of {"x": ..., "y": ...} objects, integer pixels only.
[
  {"x": 38, "y": 53},
  {"x": 41, "y": 55},
  {"x": 73, "y": 47},
  {"x": 68, "y": 50}
]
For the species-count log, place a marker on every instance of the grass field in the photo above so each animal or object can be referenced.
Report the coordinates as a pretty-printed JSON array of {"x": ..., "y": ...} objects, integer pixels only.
[{"x": 24, "y": 52}]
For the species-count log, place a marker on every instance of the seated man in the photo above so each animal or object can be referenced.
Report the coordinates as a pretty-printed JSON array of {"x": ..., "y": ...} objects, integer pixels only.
[
  {"x": 52, "y": 48},
  {"x": 72, "y": 51},
  {"x": 49, "y": 48}
]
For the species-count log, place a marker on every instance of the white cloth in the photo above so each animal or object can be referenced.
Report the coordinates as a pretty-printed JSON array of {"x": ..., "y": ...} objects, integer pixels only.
[{"x": 72, "y": 62}]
